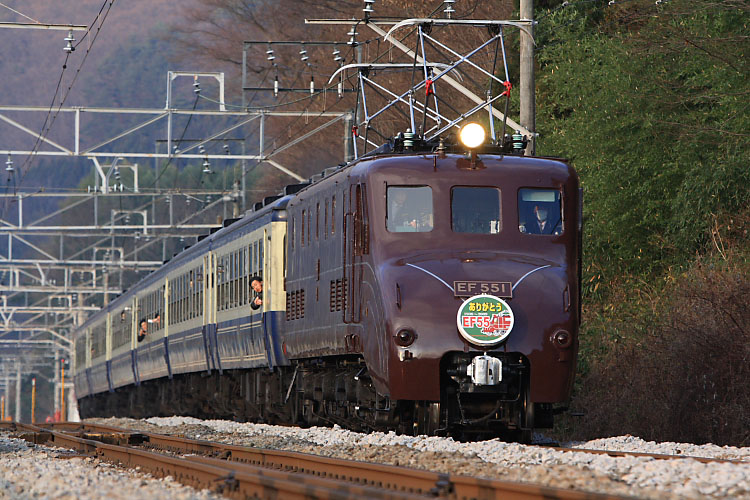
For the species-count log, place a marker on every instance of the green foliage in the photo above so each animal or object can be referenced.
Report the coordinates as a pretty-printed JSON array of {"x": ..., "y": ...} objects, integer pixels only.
[{"x": 651, "y": 104}]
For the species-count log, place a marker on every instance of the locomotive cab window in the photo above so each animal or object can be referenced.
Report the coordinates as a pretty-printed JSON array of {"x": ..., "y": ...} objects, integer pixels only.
[
  {"x": 539, "y": 211},
  {"x": 409, "y": 209},
  {"x": 475, "y": 210}
]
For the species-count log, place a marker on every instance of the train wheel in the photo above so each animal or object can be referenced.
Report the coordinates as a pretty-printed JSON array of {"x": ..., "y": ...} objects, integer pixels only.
[
  {"x": 427, "y": 418},
  {"x": 526, "y": 418}
]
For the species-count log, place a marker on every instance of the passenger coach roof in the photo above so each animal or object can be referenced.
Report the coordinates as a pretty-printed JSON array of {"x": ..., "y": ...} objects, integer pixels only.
[{"x": 248, "y": 223}]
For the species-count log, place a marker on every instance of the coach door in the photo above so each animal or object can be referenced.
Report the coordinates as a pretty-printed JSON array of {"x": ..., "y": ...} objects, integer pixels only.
[{"x": 210, "y": 340}]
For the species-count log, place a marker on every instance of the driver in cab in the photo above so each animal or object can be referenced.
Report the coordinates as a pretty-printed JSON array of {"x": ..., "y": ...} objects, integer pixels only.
[
  {"x": 540, "y": 224},
  {"x": 406, "y": 215}
]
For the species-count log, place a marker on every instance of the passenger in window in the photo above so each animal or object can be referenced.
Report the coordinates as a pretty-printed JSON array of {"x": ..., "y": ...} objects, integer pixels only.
[
  {"x": 256, "y": 283},
  {"x": 143, "y": 329},
  {"x": 540, "y": 224}
]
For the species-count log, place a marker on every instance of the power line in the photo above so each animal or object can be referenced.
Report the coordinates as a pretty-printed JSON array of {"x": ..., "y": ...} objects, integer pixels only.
[
  {"x": 24, "y": 170},
  {"x": 182, "y": 136},
  {"x": 19, "y": 13}
]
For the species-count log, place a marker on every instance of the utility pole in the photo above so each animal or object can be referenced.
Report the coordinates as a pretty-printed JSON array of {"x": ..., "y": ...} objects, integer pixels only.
[{"x": 528, "y": 104}]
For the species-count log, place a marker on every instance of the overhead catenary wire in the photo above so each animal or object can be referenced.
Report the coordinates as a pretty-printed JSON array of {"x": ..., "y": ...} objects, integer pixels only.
[
  {"x": 19, "y": 13},
  {"x": 182, "y": 136},
  {"x": 24, "y": 168}
]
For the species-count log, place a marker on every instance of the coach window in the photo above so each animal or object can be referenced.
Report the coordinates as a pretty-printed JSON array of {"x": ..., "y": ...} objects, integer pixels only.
[
  {"x": 475, "y": 210},
  {"x": 409, "y": 209},
  {"x": 302, "y": 231},
  {"x": 81, "y": 351},
  {"x": 540, "y": 211},
  {"x": 200, "y": 291},
  {"x": 226, "y": 276},
  {"x": 235, "y": 279},
  {"x": 121, "y": 328},
  {"x": 243, "y": 273},
  {"x": 259, "y": 244},
  {"x": 98, "y": 340},
  {"x": 221, "y": 272}
]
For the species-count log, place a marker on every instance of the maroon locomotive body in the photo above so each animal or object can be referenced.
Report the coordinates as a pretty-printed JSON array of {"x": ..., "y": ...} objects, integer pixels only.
[{"x": 384, "y": 254}]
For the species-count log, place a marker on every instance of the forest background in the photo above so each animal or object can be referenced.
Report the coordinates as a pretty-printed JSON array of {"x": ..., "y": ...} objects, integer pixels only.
[{"x": 650, "y": 102}]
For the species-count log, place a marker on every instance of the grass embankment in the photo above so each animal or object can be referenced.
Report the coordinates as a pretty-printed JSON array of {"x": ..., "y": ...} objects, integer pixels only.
[{"x": 670, "y": 360}]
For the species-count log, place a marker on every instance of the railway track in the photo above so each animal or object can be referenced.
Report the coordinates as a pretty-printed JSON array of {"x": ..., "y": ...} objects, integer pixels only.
[
  {"x": 83, "y": 428},
  {"x": 242, "y": 472}
]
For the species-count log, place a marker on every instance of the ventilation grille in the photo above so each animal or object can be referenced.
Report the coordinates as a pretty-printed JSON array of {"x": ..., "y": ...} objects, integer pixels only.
[
  {"x": 295, "y": 305},
  {"x": 338, "y": 295}
]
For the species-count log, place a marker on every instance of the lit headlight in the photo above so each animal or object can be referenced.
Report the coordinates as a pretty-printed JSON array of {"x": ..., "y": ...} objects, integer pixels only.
[{"x": 472, "y": 135}]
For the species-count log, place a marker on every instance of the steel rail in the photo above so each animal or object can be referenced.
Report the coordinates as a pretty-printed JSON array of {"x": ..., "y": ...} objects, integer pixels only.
[
  {"x": 231, "y": 479},
  {"x": 220, "y": 448},
  {"x": 345, "y": 478}
]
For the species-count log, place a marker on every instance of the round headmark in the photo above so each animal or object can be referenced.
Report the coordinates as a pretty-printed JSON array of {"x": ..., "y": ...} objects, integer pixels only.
[{"x": 484, "y": 319}]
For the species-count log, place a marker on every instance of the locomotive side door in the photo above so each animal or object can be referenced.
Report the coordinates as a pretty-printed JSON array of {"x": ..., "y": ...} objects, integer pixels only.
[{"x": 355, "y": 246}]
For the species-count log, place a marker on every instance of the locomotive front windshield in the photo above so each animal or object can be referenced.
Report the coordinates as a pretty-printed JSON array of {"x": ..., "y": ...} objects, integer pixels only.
[
  {"x": 409, "y": 209},
  {"x": 475, "y": 210}
]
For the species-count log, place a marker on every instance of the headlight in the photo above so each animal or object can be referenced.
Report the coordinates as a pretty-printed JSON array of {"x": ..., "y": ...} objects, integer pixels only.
[{"x": 472, "y": 135}]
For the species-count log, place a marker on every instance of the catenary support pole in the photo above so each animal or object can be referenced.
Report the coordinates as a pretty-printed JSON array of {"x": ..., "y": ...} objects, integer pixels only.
[
  {"x": 18, "y": 391},
  {"x": 62, "y": 391},
  {"x": 33, "y": 399},
  {"x": 528, "y": 104},
  {"x": 56, "y": 383}
]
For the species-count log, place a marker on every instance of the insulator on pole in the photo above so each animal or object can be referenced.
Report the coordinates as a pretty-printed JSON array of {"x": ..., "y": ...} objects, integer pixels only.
[
  {"x": 69, "y": 39},
  {"x": 449, "y": 8}
]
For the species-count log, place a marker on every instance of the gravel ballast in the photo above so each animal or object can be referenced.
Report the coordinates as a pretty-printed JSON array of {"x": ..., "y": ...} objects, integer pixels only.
[
  {"x": 34, "y": 471},
  {"x": 642, "y": 477}
]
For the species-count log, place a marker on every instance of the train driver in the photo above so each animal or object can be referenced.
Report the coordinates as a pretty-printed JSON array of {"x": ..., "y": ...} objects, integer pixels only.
[
  {"x": 409, "y": 214},
  {"x": 539, "y": 211},
  {"x": 540, "y": 224},
  {"x": 256, "y": 283}
]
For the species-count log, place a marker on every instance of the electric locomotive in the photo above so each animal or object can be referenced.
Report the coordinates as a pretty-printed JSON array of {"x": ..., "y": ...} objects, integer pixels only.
[{"x": 427, "y": 287}]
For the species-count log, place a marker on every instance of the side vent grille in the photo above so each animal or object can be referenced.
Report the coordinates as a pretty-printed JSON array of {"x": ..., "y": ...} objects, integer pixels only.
[
  {"x": 338, "y": 295},
  {"x": 295, "y": 305}
]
